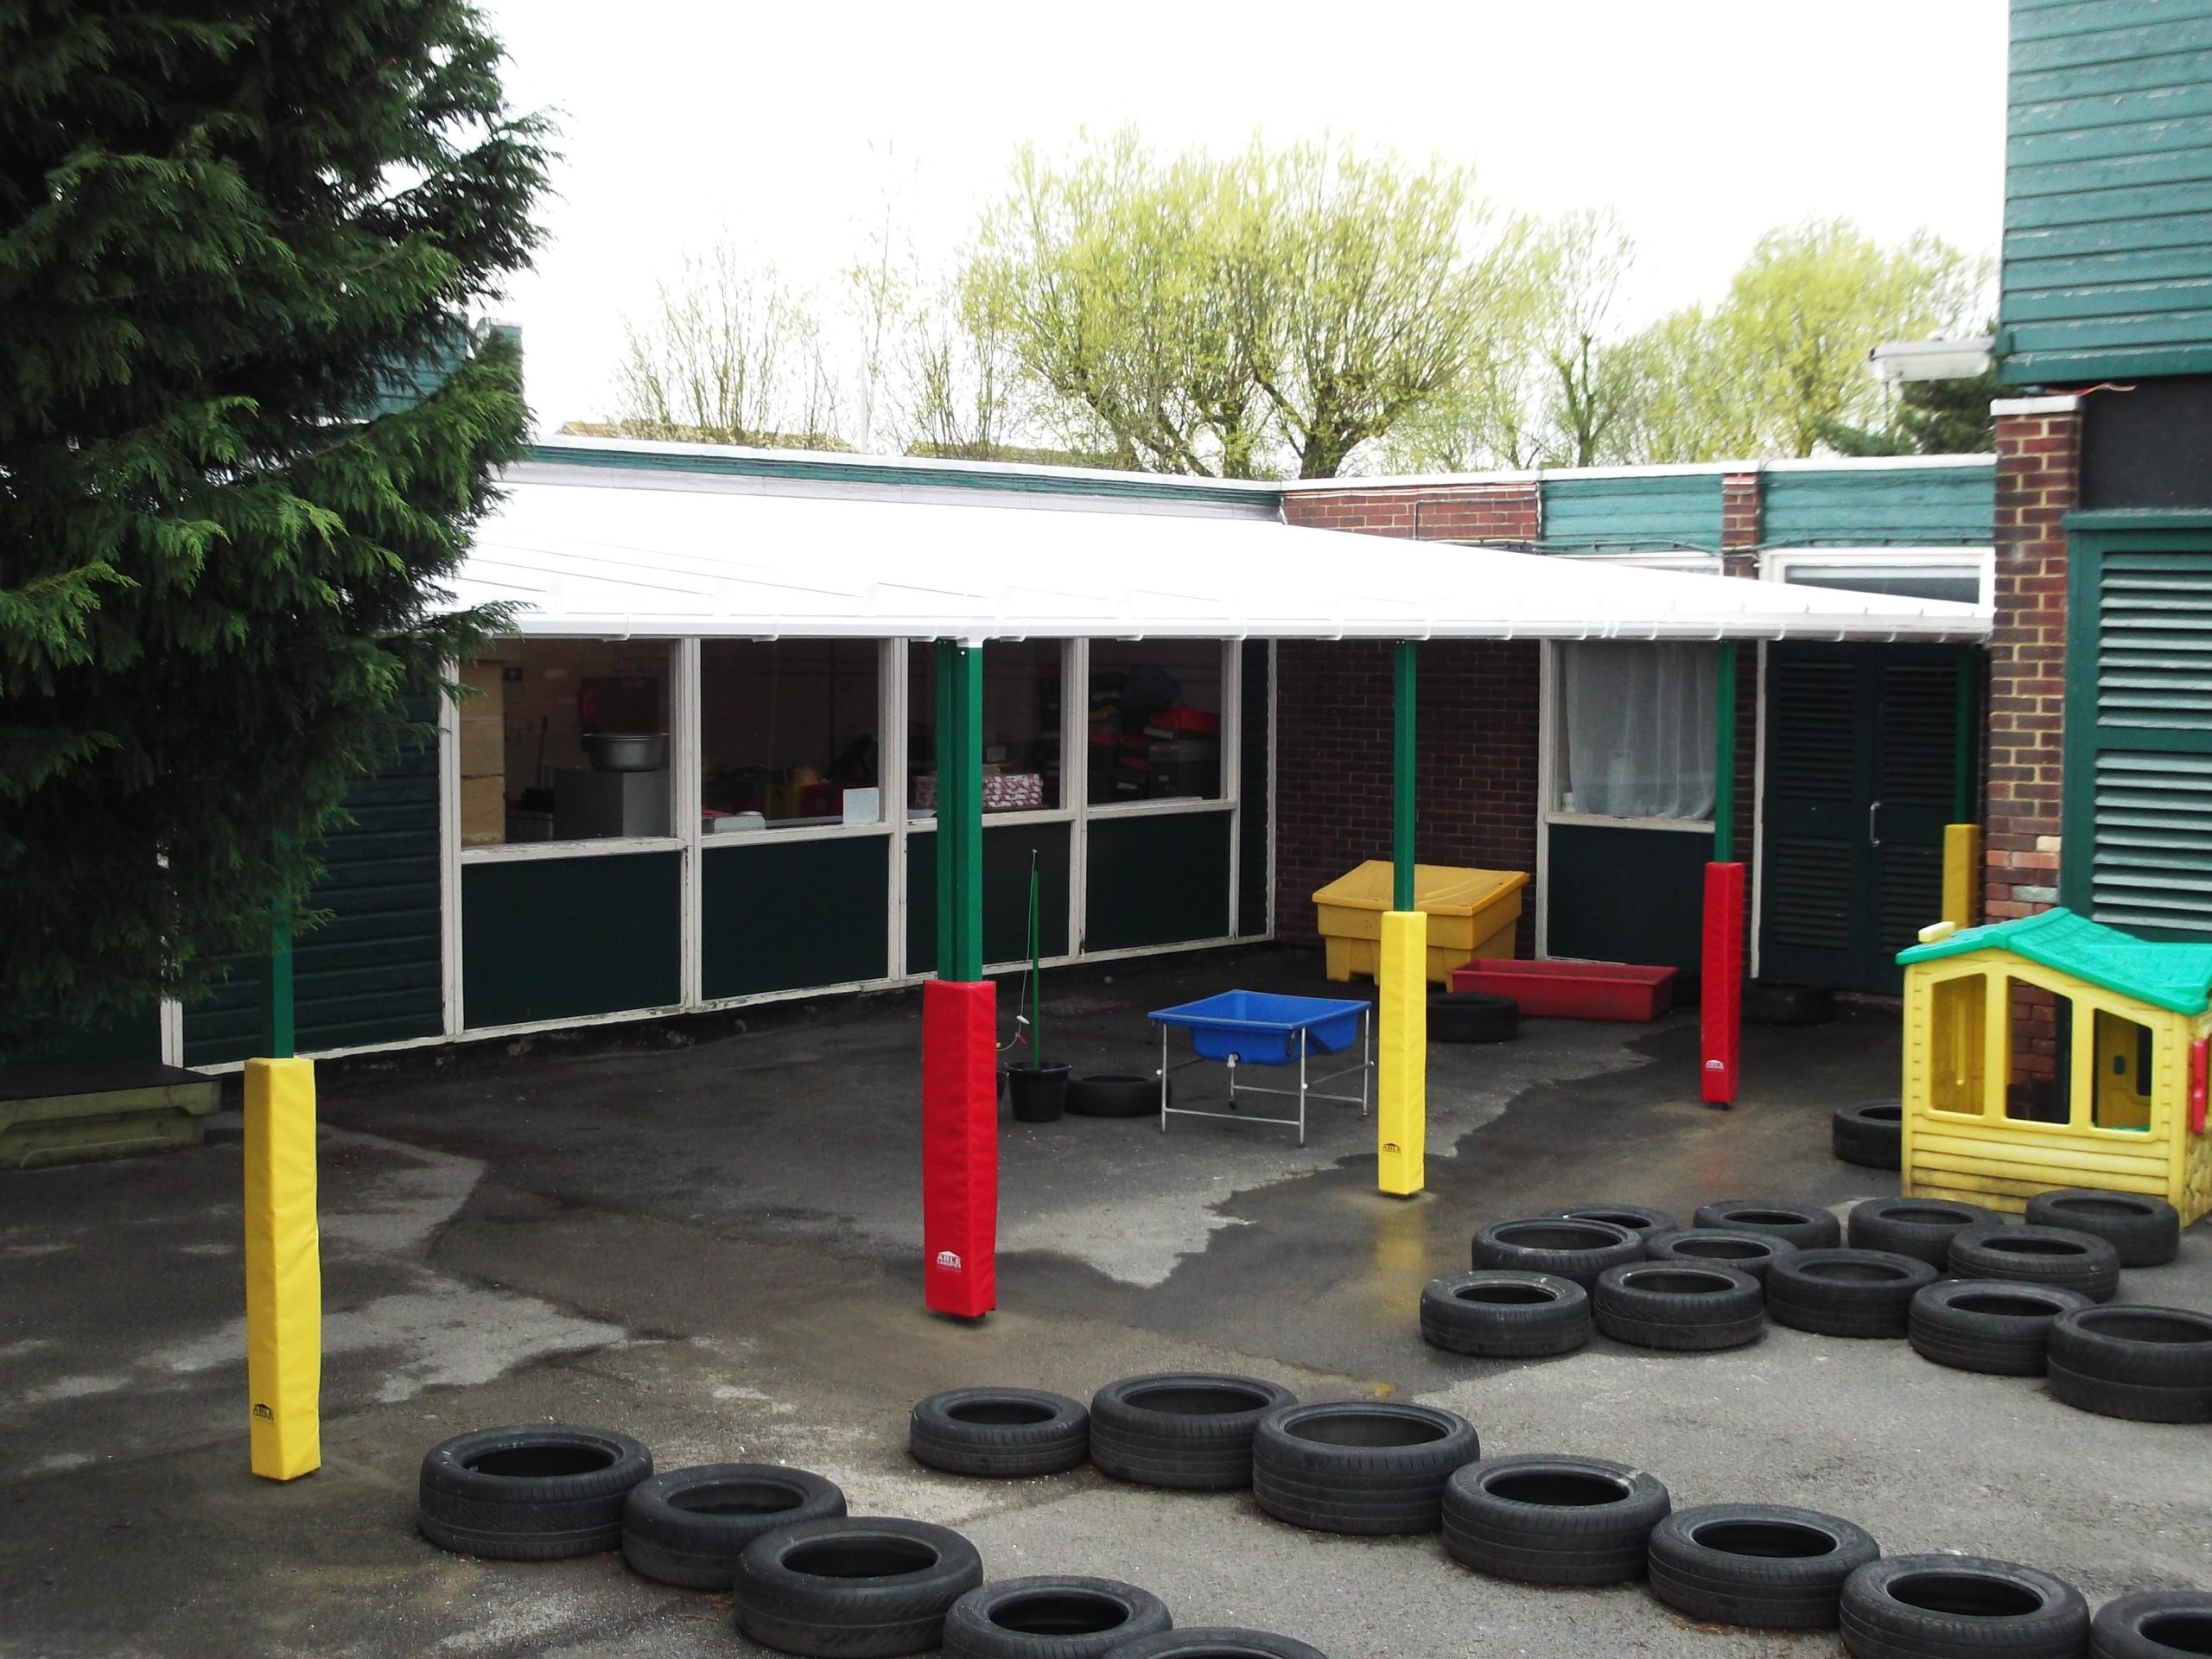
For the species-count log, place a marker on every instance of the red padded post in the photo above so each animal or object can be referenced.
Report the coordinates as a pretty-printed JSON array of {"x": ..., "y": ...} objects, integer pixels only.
[
  {"x": 960, "y": 1147},
  {"x": 1721, "y": 989}
]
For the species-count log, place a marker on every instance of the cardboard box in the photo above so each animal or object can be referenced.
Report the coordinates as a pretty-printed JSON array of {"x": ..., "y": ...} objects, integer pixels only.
[{"x": 483, "y": 812}]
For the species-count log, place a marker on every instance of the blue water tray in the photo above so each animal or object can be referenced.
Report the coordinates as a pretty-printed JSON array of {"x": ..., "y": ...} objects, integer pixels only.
[{"x": 1261, "y": 1029}]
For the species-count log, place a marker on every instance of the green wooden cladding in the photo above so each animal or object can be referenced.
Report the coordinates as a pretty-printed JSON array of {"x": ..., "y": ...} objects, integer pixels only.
[
  {"x": 1157, "y": 880},
  {"x": 1892, "y": 506},
  {"x": 563, "y": 938},
  {"x": 373, "y": 971},
  {"x": 2108, "y": 256},
  {"x": 779, "y": 916},
  {"x": 1636, "y": 510}
]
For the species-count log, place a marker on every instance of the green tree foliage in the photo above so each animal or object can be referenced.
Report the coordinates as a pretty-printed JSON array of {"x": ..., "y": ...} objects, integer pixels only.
[
  {"x": 1243, "y": 316},
  {"x": 1931, "y": 418},
  {"x": 228, "y": 234}
]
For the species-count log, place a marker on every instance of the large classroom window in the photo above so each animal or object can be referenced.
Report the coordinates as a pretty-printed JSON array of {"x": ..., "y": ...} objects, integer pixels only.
[
  {"x": 1636, "y": 725},
  {"x": 566, "y": 740},
  {"x": 789, "y": 733},
  {"x": 1022, "y": 689},
  {"x": 1154, "y": 726}
]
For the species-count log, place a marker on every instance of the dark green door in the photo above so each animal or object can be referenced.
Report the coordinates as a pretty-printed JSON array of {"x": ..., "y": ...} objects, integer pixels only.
[{"x": 1862, "y": 759}]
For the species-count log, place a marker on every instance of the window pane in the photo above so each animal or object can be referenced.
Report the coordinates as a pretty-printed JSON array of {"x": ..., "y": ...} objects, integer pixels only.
[
  {"x": 1958, "y": 1064},
  {"x": 1021, "y": 726},
  {"x": 787, "y": 734},
  {"x": 1962, "y": 584},
  {"x": 2041, "y": 1089},
  {"x": 568, "y": 740},
  {"x": 2122, "y": 1073},
  {"x": 1635, "y": 729},
  {"x": 1156, "y": 720}
]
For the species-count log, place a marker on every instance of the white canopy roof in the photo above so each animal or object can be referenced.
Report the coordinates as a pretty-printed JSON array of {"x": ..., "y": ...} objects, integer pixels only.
[{"x": 607, "y": 553}]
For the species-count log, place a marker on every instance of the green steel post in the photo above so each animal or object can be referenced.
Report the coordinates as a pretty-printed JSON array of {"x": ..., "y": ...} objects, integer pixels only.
[
  {"x": 1962, "y": 790},
  {"x": 959, "y": 812},
  {"x": 1401, "y": 780},
  {"x": 278, "y": 1026},
  {"x": 1724, "y": 758}
]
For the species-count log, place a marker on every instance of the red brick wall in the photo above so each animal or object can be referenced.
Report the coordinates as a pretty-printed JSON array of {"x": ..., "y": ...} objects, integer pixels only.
[
  {"x": 1740, "y": 511},
  {"x": 1476, "y": 739},
  {"x": 1457, "y": 512},
  {"x": 2038, "y": 479}
]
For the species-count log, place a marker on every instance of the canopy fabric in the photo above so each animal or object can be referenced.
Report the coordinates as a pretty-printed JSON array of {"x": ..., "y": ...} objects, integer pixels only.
[{"x": 586, "y": 552}]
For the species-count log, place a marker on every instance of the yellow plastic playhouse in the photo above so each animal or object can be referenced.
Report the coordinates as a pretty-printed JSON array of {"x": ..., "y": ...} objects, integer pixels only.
[{"x": 2053, "y": 1052}]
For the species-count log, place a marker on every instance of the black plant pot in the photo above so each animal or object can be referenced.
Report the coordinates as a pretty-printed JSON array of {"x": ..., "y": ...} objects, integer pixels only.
[{"x": 1037, "y": 1093}]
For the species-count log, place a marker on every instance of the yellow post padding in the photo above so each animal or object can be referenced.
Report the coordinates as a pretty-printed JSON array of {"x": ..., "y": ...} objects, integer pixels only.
[
  {"x": 283, "y": 1271},
  {"x": 1961, "y": 873},
  {"x": 1402, "y": 1055}
]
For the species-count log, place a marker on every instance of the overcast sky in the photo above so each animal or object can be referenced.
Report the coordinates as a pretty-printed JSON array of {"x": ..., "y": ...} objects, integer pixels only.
[{"x": 1702, "y": 122}]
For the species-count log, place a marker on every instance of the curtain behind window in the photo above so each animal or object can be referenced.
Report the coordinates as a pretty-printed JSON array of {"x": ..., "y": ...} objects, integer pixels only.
[{"x": 1636, "y": 729}]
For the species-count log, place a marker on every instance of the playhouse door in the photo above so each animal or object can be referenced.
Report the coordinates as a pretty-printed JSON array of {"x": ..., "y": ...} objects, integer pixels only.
[{"x": 1862, "y": 756}]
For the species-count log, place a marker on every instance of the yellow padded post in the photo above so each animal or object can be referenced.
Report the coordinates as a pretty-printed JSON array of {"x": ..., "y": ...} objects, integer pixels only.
[
  {"x": 1961, "y": 873},
  {"x": 283, "y": 1271},
  {"x": 1402, "y": 1055}
]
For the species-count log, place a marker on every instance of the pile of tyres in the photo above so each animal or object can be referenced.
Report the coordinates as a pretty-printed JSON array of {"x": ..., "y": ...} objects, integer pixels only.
[{"x": 1968, "y": 1288}]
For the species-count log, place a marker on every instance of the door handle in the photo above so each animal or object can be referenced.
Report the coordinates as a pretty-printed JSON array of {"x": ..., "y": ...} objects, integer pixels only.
[{"x": 1873, "y": 824}]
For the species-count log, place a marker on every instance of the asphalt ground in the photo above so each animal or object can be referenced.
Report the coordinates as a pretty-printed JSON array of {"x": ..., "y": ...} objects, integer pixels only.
[{"x": 714, "y": 1245}]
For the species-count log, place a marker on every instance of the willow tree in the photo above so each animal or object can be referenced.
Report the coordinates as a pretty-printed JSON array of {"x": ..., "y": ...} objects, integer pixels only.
[
  {"x": 1247, "y": 315},
  {"x": 244, "y": 429}
]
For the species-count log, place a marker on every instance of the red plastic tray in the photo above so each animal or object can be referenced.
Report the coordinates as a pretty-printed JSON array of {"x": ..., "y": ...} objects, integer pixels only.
[{"x": 1573, "y": 990}]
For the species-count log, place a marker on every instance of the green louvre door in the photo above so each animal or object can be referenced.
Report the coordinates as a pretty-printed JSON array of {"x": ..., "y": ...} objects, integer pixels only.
[
  {"x": 1862, "y": 752},
  {"x": 2138, "y": 847}
]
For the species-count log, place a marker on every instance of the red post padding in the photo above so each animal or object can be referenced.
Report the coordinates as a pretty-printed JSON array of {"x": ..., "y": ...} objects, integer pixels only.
[
  {"x": 1720, "y": 990},
  {"x": 960, "y": 1147}
]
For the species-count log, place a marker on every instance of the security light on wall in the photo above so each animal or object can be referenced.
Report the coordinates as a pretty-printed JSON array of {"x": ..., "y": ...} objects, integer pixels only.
[{"x": 1931, "y": 359}]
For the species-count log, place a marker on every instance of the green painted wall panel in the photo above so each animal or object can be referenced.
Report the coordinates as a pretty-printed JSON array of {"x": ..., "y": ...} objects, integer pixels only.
[
  {"x": 1670, "y": 510},
  {"x": 1006, "y": 893},
  {"x": 1942, "y": 506},
  {"x": 2108, "y": 254},
  {"x": 373, "y": 971},
  {"x": 558, "y": 938},
  {"x": 1157, "y": 880},
  {"x": 1627, "y": 895},
  {"x": 779, "y": 916}
]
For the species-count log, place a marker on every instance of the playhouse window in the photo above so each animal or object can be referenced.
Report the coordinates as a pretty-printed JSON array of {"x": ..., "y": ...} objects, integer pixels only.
[
  {"x": 2121, "y": 1096},
  {"x": 2041, "y": 1033},
  {"x": 1958, "y": 1056}
]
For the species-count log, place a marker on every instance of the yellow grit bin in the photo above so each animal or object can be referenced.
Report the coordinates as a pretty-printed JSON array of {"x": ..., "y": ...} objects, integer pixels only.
[{"x": 2053, "y": 1052}]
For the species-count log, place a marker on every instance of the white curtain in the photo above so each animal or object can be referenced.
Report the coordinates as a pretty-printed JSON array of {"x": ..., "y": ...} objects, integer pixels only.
[{"x": 1636, "y": 729}]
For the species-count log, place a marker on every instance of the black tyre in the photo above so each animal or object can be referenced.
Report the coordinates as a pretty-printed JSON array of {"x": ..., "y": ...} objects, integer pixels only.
[
  {"x": 2057, "y": 1256},
  {"x": 1115, "y": 1094},
  {"x": 1720, "y": 1246},
  {"x": 2148, "y": 1364},
  {"x": 2145, "y": 1231},
  {"x": 1959, "y": 1607},
  {"x": 2153, "y": 1625},
  {"x": 1763, "y": 1567},
  {"x": 1640, "y": 1219},
  {"x": 1501, "y": 1313},
  {"x": 1787, "y": 1002},
  {"x": 1993, "y": 1326},
  {"x": 1677, "y": 1308},
  {"x": 1191, "y": 1430},
  {"x": 1921, "y": 1227},
  {"x": 1847, "y": 1292},
  {"x": 1870, "y": 1133},
  {"x": 1472, "y": 1017},
  {"x": 1808, "y": 1226},
  {"x": 1051, "y": 1618},
  {"x": 1359, "y": 1466},
  {"x": 864, "y": 1588},
  {"x": 688, "y": 1526},
  {"x": 1216, "y": 1641},
  {"x": 999, "y": 1433},
  {"x": 537, "y": 1492},
  {"x": 1580, "y": 1251},
  {"x": 1546, "y": 1520}
]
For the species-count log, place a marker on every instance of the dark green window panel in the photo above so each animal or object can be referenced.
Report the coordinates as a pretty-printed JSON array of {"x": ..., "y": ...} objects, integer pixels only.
[
  {"x": 1006, "y": 893},
  {"x": 1627, "y": 895},
  {"x": 1157, "y": 880},
  {"x": 559, "y": 939},
  {"x": 783, "y": 916}
]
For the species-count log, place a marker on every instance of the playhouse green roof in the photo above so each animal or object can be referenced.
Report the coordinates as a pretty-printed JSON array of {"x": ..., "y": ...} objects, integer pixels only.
[{"x": 2176, "y": 977}]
